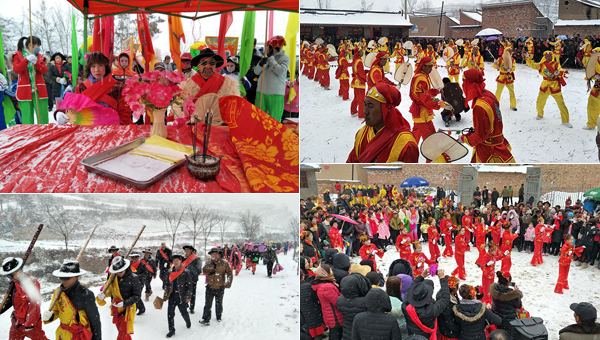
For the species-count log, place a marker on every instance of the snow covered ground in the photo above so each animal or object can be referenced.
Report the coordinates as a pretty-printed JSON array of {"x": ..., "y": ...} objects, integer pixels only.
[
  {"x": 255, "y": 307},
  {"x": 327, "y": 130},
  {"x": 536, "y": 283}
]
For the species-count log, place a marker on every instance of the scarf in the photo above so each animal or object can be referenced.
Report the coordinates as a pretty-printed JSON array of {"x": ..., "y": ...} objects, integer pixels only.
[
  {"x": 322, "y": 275},
  {"x": 148, "y": 266},
  {"x": 212, "y": 85},
  {"x": 415, "y": 318},
  {"x": 94, "y": 81},
  {"x": 58, "y": 65},
  {"x": 174, "y": 275},
  {"x": 29, "y": 66}
]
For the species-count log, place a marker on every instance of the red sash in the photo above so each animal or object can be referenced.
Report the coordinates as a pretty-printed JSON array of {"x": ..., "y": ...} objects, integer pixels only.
[
  {"x": 212, "y": 85},
  {"x": 163, "y": 254},
  {"x": 148, "y": 266},
  {"x": 79, "y": 332},
  {"x": 135, "y": 266},
  {"x": 99, "y": 91},
  {"x": 415, "y": 318},
  {"x": 373, "y": 148},
  {"x": 560, "y": 79},
  {"x": 189, "y": 260}
]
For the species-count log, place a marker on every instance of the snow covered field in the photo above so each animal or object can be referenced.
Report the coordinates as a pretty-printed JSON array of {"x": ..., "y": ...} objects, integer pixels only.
[
  {"x": 327, "y": 129},
  {"x": 255, "y": 307},
  {"x": 536, "y": 283}
]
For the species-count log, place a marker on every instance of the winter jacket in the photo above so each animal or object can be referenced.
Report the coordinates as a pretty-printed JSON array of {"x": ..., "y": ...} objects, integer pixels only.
[
  {"x": 340, "y": 265},
  {"x": 254, "y": 255},
  {"x": 375, "y": 323},
  {"x": 271, "y": 256},
  {"x": 447, "y": 325},
  {"x": 55, "y": 73},
  {"x": 400, "y": 266},
  {"x": 130, "y": 288},
  {"x": 359, "y": 229},
  {"x": 309, "y": 250},
  {"x": 354, "y": 289},
  {"x": 471, "y": 317},
  {"x": 152, "y": 265},
  {"x": 428, "y": 313},
  {"x": 580, "y": 332},
  {"x": 505, "y": 193},
  {"x": 310, "y": 308},
  {"x": 195, "y": 269},
  {"x": 328, "y": 295},
  {"x": 24, "y": 86},
  {"x": 328, "y": 258},
  {"x": 505, "y": 302},
  {"x": 275, "y": 74},
  {"x": 164, "y": 264},
  {"x": 184, "y": 285},
  {"x": 141, "y": 272},
  {"x": 218, "y": 274},
  {"x": 397, "y": 313},
  {"x": 495, "y": 195}
]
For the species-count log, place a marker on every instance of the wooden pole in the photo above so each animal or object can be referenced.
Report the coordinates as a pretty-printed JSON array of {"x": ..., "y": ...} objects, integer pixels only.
[
  {"x": 262, "y": 83},
  {"x": 35, "y": 92},
  {"x": 112, "y": 276}
]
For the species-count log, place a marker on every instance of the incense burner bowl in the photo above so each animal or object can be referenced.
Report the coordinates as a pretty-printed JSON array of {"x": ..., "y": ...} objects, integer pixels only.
[{"x": 204, "y": 171}]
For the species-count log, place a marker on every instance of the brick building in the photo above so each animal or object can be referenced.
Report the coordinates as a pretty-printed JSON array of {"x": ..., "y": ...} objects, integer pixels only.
[
  {"x": 308, "y": 180},
  {"x": 578, "y": 17},
  {"x": 515, "y": 19},
  {"x": 428, "y": 25},
  {"x": 470, "y": 24}
]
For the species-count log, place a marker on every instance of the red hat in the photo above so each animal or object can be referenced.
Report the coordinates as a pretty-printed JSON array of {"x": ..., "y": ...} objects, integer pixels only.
[
  {"x": 424, "y": 61},
  {"x": 392, "y": 118},
  {"x": 276, "y": 41},
  {"x": 186, "y": 56},
  {"x": 473, "y": 84},
  {"x": 380, "y": 56}
]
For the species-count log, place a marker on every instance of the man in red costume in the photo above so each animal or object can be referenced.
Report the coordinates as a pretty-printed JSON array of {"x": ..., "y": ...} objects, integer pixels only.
[
  {"x": 432, "y": 238},
  {"x": 386, "y": 137},
  {"x": 315, "y": 62},
  {"x": 342, "y": 74},
  {"x": 376, "y": 73},
  {"x": 480, "y": 233},
  {"x": 566, "y": 255},
  {"x": 488, "y": 268},
  {"x": 309, "y": 55},
  {"x": 324, "y": 66},
  {"x": 25, "y": 297},
  {"x": 424, "y": 101},
  {"x": 488, "y": 142},
  {"x": 467, "y": 223},
  {"x": 359, "y": 79}
]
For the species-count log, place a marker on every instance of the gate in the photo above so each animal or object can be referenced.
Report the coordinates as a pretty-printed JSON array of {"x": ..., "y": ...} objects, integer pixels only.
[
  {"x": 463, "y": 183},
  {"x": 549, "y": 179},
  {"x": 541, "y": 185}
]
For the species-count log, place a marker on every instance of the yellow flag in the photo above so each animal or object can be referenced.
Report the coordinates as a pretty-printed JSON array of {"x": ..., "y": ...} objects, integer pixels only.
[{"x": 291, "y": 31}]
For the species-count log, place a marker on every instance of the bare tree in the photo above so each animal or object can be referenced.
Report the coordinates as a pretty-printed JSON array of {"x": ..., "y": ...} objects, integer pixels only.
[
  {"x": 61, "y": 221},
  {"x": 424, "y": 5},
  {"x": 410, "y": 5},
  {"x": 364, "y": 6},
  {"x": 293, "y": 232},
  {"x": 251, "y": 225},
  {"x": 43, "y": 25},
  {"x": 200, "y": 216},
  {"x": 323, "y": 4},
  {"x": 172, "y": 222},
  {"x": 223, "y": 226}
]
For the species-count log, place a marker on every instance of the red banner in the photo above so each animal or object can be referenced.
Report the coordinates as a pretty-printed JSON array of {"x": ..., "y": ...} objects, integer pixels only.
[
  {"x": 226, "y": 20},
  {"x": 146, "y": 41}
]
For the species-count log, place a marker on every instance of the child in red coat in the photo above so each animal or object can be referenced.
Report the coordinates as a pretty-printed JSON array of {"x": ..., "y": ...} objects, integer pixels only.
[
  {"x": 506, "y": 248},
  {"x": 403, "y": 244},
  {"x": 446, "y": 228},
  {"x": 368, "y": 251},
  {"x": 433, "y": 237},
  {"x": 459, "y": 255},
  {"x": 488, "y": 269},
  {"x": 540, "y": 231},
  {"x": 418, "y": 259},
  {"x": 566, "y": 255}
]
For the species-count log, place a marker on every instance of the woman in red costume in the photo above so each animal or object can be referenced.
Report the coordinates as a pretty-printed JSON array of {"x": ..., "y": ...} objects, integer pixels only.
[
  {"x": 446, "y": 228},
  {"x": 566, "y": 255},
  {"x": 489, "y": 269},
  {"x": 481, "y": 231},
  {"x": 506, "y": 248},
  {"x": 403, "y": 244},
  {"x": 418, "y": 259},
  {"x": 368, "y": 251},
  {"x": 461, "y": 247},
  {"x": 433, "y": 237},
  {"x": 538, "y": 242},
  {"x": 334, "y": 236},
  {"x": 496, "y": 227},
  {"x": 467, "y": 223}
]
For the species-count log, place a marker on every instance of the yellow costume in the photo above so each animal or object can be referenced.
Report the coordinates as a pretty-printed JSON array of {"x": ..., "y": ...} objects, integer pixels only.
[
  {"x": 69, "y": 317},
  {"x": 557, "y": 49},
  {"x": 384, "y": 48},
  {"x": 473, "y": 60},
  {"x": 506, "y": 78},
  {"x": 587, "y": 52},
  {"x": 399, "y": 54},
  {"x": 593, "y": 107},
  {"x": 453, "y": 66},
  {"x": 114, "y": 291},
  {"x": 551, "y": 85}
]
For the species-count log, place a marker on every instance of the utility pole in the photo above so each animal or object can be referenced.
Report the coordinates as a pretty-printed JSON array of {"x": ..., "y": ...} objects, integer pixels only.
[
  {"x": 405, "y": 10},
  {"x": 441, "y": 17}
]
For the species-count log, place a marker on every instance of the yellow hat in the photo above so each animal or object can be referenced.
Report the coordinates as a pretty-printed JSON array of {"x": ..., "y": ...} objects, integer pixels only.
[
  {"x": 361, "y": 269},
  {"x": 373, "y": 93}
]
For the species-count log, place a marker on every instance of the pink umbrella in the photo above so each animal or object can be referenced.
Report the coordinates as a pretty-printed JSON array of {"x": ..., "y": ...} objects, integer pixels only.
[{"x": 345, "y": 218}]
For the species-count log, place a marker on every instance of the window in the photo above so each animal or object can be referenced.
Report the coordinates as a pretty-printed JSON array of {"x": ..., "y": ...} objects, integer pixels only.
[{"x": 303, "y": 180}]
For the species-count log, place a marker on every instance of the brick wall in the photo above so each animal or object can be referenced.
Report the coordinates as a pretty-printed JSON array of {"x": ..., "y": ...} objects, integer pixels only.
[
  {"x": 465, "y": 20},
  {"x": 499, "y": 179},
  {"x": 584, "y": 31},
  {"x": 574, "y": 10},
  {"x": 508, "y": 18},
  {"x": 571, "y": 176},
  {"x": 464, "y": 33}
]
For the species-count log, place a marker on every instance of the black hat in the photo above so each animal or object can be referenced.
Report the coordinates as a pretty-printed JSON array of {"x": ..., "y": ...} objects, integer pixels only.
[
  {"x": 419, "y": 293},
  {"x": 585, "y": 311},
  {"x": 179, "y": 256},
  {"x": 10, "y": 265},
  {"x": 189, "y": 246},
  {"x": 112, "y": 248},
  {"x": 207, "y": 52},
  {"x": 119, "y": 264},
  {"x": 60, "y": 54},
  {"x": 69, "y": 268},
  {"x": 213, "y": 250}
]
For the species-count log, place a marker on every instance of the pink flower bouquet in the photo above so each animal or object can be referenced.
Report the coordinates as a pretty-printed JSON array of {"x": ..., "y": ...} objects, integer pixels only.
[{"x": 156, "y": 90}]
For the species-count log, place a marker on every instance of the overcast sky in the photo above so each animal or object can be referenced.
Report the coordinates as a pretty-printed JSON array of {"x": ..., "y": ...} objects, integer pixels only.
[
  {"x": 378, "y": 5},
  {"x": 208, "y": 26}
]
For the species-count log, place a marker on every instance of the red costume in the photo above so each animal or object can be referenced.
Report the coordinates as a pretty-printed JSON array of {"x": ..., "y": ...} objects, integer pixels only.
[
  {"x": 359, "y": 79},
  {"x": 433, "y": 237},
  {"x": 480, "y": 233},
  {"x": 335, "y": 238},
  {"x": 26, "y": 313},
  {"x": 403, "y": 246},
  {"x": 309, "y": 63},
  {"x": 538, "y": 244},
  {"x": 376, "y": 73},
  {"x": 488, "y": 269},
  {"x": 324, "y": 66},
  {"x": 446, "y": 227},
  {"x": 343, "y": 76},
  {"x": 369, "y": 252},
  {"x": 566, "y": 255},
  {"x": 461, "y": 247},
  {"x": 423, "y": 102},
  {"x": 107, "y": 90},
  {"x": 24, "y": 83},
  {"x": 495, "y": 228},
  {"x": 467, "y": 223},
  {"x": 507, "y": 244},
  {"x": 418, "y": 262}
]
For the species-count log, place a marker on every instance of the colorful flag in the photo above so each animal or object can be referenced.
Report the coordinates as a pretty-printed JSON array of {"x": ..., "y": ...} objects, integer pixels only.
[
  {"x": 2, "y": 56},
  {"x": 74, "y": 52},
  {"x": 271, "y": 14},
  {"x": 246, "y": 46},
  {"x": 108, "y": 36},
  {"x": 226, "y": 20},
  {"x": 146, "y": 41},
  {"x": 175, "y": 35},
  {"x": 290, "y": 49},
  {"x": 97, "y": 41}
]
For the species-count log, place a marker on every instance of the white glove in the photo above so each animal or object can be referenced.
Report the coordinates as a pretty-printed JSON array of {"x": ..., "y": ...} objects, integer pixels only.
[
  {"x": 583, "y": 246},
  {"x": 470, "y": 244},
  {"x": 403, "y": 242},
  {"x": 450, "y": 229},
  {"x": 47, "y": 315},
  {"x": 489, "y": 263},
  {"x": 373, "y": 251},
  {"x": 543, "y": 228},
  {"x": 32, "y": 58},
  {"x": 486, "y": 227},
  {"x": 506, "y": 253},
  {"x": 118, "y": 305},
  {"x": 443, "y": 235},
  {"x": 570, "y": 252},
  {"x": 101, "y": 296},
  {"x": 62, "y": 118},
  {"x": 419, "y": 265},
  {"x": 63, "y": 81}
]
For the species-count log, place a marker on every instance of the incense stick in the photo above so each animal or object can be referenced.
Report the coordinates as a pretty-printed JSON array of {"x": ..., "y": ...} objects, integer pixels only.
[{"x": 208, "y": 133}]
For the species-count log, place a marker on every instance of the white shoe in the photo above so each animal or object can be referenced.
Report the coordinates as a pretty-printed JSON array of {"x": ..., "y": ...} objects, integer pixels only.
[
  {"x": 567, "y": 125},
  {"x": 585, "y": 127},
  {"x": 538, "y": 117}
]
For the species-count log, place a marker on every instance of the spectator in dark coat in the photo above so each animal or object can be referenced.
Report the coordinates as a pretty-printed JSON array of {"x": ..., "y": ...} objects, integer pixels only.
[
  {"x": 446, "y": 324},
  {"x": 309, "y": 248},
  {"x": 375, "y": 324},
  {"x": 354, "y": 289},
  {"x": 495, "y": 195},
  {"x": 586, "y": 327},
  {"x": 400, "y": 266},
  {"x": 505, "y": 301},
  {"x": 340, "y": 264},
  {"x": 419, "y": 299},
  {"x": 327, "y": 291},
  {"x": 471, "y": 315},
  {"x": 310, "y": 309},
  {"x": 57, "y": 70}
]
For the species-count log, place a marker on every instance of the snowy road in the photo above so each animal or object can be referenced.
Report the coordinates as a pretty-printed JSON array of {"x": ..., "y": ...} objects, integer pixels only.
[
  {"x": 255, "y": 307},
  {"x": 327, "y": 131}
]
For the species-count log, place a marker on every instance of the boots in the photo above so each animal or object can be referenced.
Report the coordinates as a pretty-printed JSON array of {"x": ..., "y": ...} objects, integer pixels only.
[
  {"x": 148, "y": 296},
  {"x": 585, "y": 265}
]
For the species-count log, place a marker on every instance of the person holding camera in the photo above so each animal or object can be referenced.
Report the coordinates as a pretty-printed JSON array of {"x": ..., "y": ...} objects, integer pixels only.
[
  {"x": 472, "y": 316},
  {"x": 506, "y": 298}
]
